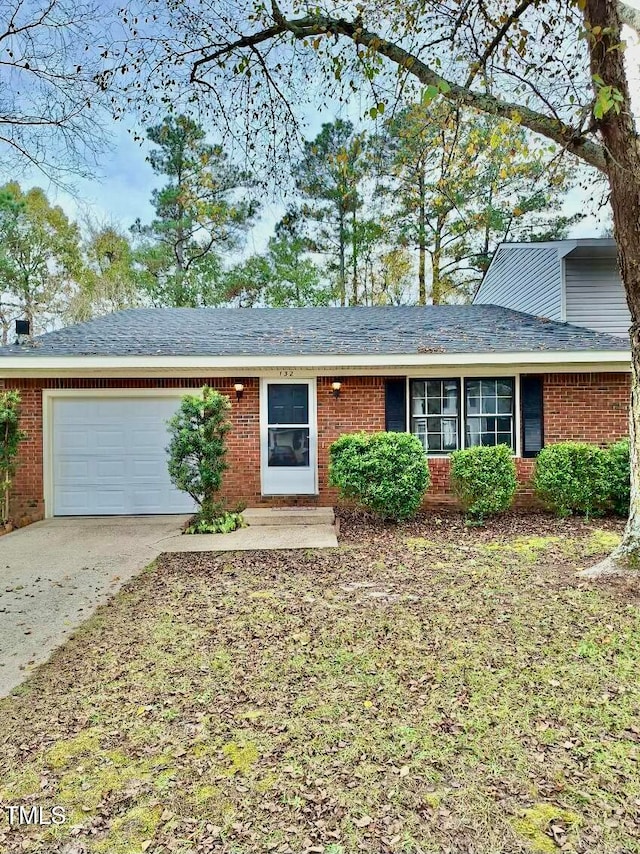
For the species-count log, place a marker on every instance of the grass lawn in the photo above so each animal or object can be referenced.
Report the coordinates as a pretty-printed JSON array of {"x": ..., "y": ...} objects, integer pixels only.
[{"x": 426, "y": 689}]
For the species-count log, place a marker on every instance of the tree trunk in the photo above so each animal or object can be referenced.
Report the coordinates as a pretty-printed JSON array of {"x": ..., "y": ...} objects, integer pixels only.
[
  {"x": 436, "y": 261},
  {"x": 422, "y": 239},
  {"x": 342, "y": 283},
  {"x": 623, "y": 169},
  {"x": 354, "y": 252}
]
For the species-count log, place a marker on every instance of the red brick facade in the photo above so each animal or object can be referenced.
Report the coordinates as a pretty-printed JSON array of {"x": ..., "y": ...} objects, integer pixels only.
[{"x": 589, "y": 407}]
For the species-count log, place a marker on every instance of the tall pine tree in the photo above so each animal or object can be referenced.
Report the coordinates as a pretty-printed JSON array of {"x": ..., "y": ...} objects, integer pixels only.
[{"x": 204, "y": 208}]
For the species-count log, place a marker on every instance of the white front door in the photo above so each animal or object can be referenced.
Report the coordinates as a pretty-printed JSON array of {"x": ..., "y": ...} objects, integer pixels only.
[{"x": 289, "y": 437}]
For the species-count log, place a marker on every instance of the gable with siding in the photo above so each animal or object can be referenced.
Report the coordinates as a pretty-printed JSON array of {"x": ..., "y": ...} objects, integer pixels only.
[
  {"x": 594, "y": 294},
  {"x": 524, "y": 278}
]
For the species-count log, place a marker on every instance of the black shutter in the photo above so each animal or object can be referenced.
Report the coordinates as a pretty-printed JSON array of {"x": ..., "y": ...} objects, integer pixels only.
[
  {"x": 531, "y": 408},
  {"x": 395, "y": 405}
]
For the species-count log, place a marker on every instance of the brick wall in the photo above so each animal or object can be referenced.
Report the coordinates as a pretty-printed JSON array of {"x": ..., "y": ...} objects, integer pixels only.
[
  {"x": 592, "y": 407},
  {"x": 586, "y": 407}
]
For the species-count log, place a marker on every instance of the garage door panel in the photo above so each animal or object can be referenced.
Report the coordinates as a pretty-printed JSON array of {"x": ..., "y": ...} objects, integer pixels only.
[
  {"x": 73, "y": 439},
  {"x": 143, "y": 441},
  {"x": 106, "y": 470},
  {"x": 110, "y": 440},
  {"x": 74, "y": 500},
  {"x": 70, "y": 471},
  {"x": 145, "y": 470},
  {"x": 108, "y": 502},
  {"x": 109, "y": 457}
]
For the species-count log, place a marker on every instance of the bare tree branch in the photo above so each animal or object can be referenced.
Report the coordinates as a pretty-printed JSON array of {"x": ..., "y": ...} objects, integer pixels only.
[
  {"x": 52, "y": 97},
  {"x": 320, "y": 25},
  {"x": 481, "y": 64}
]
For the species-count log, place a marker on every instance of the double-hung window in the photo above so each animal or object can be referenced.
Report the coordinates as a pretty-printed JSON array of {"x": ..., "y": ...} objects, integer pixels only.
[
  {"x": 489, "y": 412},
  {"x": 435, "y": 414},
  {"x": 443, "y": 424}
]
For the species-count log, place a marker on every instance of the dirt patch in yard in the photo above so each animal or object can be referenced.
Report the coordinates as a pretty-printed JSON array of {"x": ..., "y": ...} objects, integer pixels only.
[{"x": 427, "y": 688}]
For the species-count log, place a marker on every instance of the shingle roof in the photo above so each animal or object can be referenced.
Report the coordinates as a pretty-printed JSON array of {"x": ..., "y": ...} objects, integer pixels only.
[{"x": 314, "y": 331}]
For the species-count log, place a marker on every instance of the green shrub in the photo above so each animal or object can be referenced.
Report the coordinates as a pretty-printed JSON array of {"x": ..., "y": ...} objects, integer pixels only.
[
  {"x": 484, "y": 480},
  {"x": 570, "y": 477},
  {"x": 384, "y": 472},
  {"x": 197, "y": 448},
  {"x": 618, "y": 475},
  {"x": 222, "y": 524},
  {"x": 10, "y": 438}
]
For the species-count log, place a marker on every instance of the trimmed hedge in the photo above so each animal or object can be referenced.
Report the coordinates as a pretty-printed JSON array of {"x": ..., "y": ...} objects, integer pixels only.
[
  {"x": 484, "y": 480},
  {"x": 618, "y": 477},
  {"x": 387, "y": 473},
  {"x": 571, "y": 477}
]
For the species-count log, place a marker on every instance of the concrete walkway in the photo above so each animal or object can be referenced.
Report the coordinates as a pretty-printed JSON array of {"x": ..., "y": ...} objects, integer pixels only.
[
  {"x": 53, "y": 575},
  {"x": 259, "y": 537}
]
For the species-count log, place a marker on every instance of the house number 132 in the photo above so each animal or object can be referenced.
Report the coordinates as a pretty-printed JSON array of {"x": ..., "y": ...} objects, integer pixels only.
[{"x": 286, "y": 373}]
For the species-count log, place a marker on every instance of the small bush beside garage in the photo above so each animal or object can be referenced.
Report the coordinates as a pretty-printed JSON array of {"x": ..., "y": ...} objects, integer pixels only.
[
  {"x": 197, "y": 451},
  {"x": 387, "y": 473}
]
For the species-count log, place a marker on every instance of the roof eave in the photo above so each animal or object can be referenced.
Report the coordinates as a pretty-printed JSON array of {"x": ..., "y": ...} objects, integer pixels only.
[{"x": 105, "y": 366}]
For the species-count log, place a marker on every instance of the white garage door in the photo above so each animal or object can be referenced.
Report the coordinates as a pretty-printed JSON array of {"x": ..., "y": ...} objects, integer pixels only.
[{"x": 109, "y": 457}]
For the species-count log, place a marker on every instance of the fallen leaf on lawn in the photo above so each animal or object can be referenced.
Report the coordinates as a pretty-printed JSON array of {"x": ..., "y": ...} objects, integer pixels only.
[
  {"x": 404, "y": 771},
  {"x": 363, "y": 822}
]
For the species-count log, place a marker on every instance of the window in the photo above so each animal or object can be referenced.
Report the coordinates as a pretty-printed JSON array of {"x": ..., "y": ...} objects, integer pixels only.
[
  {"x": 288, "y": 407},
  {"x": 489, "y": 412},
  {"x": 435, "y": 414}
]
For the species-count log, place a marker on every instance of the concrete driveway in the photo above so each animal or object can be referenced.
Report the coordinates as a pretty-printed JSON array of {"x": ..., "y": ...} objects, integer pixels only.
[{"x": 53, "y": 575}]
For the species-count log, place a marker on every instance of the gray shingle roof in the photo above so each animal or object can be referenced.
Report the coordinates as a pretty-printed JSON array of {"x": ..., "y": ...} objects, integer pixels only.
[{"x": 389, "y": 330}]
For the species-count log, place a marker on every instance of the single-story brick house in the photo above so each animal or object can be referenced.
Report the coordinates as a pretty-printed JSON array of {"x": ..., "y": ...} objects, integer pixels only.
[{"x": 97, "y": 395}]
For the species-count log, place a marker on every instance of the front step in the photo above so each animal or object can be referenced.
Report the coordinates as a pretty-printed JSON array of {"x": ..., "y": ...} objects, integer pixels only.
[{"x": 289, "y": 516}]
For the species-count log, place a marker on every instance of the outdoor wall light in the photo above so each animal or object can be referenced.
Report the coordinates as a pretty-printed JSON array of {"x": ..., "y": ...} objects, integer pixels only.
[
  {"x": 239, "y": 387},
  {"x": 336, "y": 385}
]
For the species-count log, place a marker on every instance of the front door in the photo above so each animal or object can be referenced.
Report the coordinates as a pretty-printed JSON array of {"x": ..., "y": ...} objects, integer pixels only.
[{"x": 288, "y": 437}]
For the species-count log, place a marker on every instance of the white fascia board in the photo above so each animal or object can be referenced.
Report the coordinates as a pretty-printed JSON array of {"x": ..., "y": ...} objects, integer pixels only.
[{"x": 140, "y": 366}]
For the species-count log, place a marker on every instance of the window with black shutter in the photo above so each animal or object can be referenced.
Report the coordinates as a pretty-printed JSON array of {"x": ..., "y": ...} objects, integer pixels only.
[
  {"x": 395, "y": 402},
  {"x": 532, "y": 420}
]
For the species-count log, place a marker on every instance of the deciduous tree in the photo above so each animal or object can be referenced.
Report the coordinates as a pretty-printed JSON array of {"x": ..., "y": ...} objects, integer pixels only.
[
  {"x": 108, "y": 280},
  {"x": 53, "y": 92},
  {"x": 40, "y": 258}
]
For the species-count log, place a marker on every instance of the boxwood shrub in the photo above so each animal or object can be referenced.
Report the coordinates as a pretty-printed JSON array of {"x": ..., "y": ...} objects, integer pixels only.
[
  {"x": 383, "y": 472},
  {"x": 618, "y": 477},
  {"x": 571, "y": 477},
  {"x": 484, "y": 480}
]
